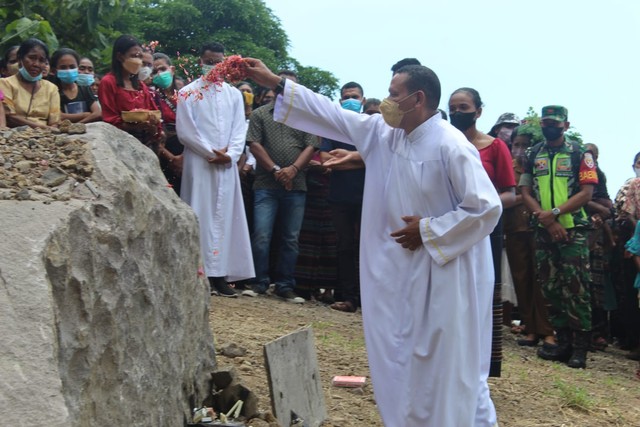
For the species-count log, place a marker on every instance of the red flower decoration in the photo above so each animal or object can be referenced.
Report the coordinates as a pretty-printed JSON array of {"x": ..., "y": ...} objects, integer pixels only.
[{"x": 233, "y": 69}]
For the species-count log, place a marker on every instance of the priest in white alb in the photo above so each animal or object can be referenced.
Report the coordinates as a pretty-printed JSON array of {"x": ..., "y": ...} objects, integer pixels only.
[
  {"x": 211, "y": 125},
  {"x": 426, "y": 267}
]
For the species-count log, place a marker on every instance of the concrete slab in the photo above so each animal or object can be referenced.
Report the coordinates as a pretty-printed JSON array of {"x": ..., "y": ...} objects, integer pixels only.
[{"x": 294, "y": 379}]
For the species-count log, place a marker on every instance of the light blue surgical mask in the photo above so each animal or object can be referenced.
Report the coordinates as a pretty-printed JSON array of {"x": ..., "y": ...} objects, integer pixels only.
[
  {"x": 28, "y": 77},
  {"x": 352, "y": 104},
  {"x": 206, "y": 69},
  {"x": 67, "y": 76},
  {"x": 85, "y": 80}
]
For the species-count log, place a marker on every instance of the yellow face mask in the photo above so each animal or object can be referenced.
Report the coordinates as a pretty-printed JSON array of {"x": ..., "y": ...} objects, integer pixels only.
[
  {"x": 391, "y": 112},
  {"x": 13, "y": 68},
  {"x": 248, "y": 98},
  {"x": 132, "y": 65}
]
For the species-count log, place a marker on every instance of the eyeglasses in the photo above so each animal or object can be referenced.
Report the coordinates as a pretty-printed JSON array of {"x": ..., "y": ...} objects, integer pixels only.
[{"x": 86, "y": 68}]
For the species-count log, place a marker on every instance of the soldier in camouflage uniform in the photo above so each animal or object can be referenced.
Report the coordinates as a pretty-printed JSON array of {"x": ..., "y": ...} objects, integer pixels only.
[{"x": 558, "y": 181}]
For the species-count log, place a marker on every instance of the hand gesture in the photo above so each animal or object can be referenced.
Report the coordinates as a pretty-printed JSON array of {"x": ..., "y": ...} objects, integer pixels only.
[
  {"x": 221, "y": 157},
  {"x": 258, "y": 72},
  {"x": 409, "y": 237}
]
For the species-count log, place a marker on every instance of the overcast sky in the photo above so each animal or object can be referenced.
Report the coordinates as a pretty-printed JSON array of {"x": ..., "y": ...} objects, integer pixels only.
[{"x": 580, "y": 54}]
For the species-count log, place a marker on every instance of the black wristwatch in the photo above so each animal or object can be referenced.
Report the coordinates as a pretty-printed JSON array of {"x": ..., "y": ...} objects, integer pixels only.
[
  {"x": 280, "y": 88},
  {"x": 275, "y": 169}
]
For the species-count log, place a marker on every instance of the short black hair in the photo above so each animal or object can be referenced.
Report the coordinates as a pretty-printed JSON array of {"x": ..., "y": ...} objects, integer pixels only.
[
  {"x": 404, "y": 62},
  {"x": 370, "y": 102},
  {"x": 289, "y": 73},
  {"x": 163, "y": 56},
  {"x": 62, "y": 52},
  {"x": 635, "y": 159},
  {"x": 27, "y": 45},
  {"x": 212, "y": 47},
  {"x": 424, "y": 79},
  {"x": 351, "y": 85},
  {"x": 475, "y": 95}
]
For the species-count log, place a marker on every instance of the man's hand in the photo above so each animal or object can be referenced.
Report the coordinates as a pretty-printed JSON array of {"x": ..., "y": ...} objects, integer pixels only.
[
  {"x": 258, "y": 72},
  {"x": 557, "y": 232},
  {"x": 221, "y": 157},
  {"x": 546, "y": 218},
  {"x": 341, "y": 157},
  {"x": 285, "y": 177},
  {"x": 409, "y": 237}
]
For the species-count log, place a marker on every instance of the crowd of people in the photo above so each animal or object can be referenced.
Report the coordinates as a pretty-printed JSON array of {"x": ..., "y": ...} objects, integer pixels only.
[{"x": 283, "y": 198}]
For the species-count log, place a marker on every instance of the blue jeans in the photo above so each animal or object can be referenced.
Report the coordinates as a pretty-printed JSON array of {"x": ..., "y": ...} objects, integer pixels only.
[{"x": 287, "y": 207}]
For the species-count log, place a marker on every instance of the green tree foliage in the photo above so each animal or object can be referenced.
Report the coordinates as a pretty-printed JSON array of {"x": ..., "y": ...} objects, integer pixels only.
[
  {"x": 88, "y": 26},
  {"x": 245, "y": 27}
]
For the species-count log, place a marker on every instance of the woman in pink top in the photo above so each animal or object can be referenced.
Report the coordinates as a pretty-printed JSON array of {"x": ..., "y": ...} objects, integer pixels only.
[{"x": 465, "y": 107}]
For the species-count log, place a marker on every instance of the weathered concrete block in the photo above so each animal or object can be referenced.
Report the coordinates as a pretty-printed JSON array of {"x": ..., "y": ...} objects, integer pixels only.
[{"x": 294, "y": 379}]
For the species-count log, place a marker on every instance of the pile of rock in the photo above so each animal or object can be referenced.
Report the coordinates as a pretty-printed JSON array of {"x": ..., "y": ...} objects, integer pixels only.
[{"x": 43, "y": 164}]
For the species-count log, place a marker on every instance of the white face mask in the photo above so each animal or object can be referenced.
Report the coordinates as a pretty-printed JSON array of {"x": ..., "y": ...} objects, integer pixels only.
[
  {"x": 505, "y": 134},
  {"x": 144, "y": 73},
  {"x": 637, "y": 171}
]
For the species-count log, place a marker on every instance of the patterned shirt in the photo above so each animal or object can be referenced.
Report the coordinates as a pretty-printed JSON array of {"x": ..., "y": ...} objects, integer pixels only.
[
  {"x": 282, "y": 143},
  {"x": 631, "y": 199}
]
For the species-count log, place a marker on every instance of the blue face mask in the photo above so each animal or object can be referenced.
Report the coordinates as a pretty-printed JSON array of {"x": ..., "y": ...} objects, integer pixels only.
[
  {"x": 352, "y": 104},
  {"x": 67, "y": 76},
  {"x": 206, "y": 69},
  {"x": 28, "y": 77},
  {"x": 84, "y": 80}
]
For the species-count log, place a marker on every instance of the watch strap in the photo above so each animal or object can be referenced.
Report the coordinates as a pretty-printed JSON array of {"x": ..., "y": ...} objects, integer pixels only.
[{"x": 280, "y": 87}]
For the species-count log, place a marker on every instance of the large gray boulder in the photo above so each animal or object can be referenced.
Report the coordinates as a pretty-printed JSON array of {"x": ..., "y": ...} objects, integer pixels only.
[{"x": 104, "y": 319}]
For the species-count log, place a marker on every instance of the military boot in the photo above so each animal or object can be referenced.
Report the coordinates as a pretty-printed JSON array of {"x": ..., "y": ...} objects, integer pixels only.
[
  {"x": 580, "y": 347},
  {"x": 561, "y": 351}
]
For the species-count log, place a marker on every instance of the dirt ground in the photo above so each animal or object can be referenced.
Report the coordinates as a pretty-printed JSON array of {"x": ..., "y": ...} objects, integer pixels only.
[{"x": 531, "y": 392}]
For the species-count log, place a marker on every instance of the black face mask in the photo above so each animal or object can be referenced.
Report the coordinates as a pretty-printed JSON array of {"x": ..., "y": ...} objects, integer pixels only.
[
  {"x": 463, "y": 121},
  {"x": 552, "y": 133}
]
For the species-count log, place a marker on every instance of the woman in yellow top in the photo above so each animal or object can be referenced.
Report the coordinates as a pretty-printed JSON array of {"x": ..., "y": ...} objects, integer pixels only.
[{"x": 28, "y": 99}]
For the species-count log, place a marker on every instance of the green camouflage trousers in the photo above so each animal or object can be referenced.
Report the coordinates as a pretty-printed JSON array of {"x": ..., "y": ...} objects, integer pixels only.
[{"x": 563, "y": 275}]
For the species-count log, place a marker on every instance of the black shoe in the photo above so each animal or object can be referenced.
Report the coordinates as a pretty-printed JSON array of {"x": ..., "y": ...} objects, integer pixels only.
[
  {"x": 290, "y": 296},
  {"x": 221, "y": 287},
  {"x": 554, "y": 352},
  {"x": 528, "y": 343},
  {"x": 581, "y": 342}
]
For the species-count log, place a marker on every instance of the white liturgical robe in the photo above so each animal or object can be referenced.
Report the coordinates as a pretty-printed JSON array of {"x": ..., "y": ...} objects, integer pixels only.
[
  {"x": 210, "y": 116},
  {"x": 427, "y": 313}
]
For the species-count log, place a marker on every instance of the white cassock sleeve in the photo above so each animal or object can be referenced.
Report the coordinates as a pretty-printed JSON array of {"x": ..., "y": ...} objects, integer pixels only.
[
  {"x": 452, "y": 234},
  {"x": 189, "y": 133},
  {"x": 305, "y": 110},
  {"x": 238, "y": 137}
]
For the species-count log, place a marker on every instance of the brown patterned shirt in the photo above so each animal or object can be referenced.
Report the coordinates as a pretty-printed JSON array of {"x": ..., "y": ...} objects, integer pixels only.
[{"x": 282, "y": 143}]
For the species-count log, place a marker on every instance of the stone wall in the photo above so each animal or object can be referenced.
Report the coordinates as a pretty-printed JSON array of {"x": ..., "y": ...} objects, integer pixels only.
[{"x": 104, "y": 319}]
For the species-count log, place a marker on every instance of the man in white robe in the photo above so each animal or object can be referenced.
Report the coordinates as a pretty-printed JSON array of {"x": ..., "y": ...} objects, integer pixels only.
[
  {"x": 211, "y": 125},
  {"x": 426, "y": 269}
]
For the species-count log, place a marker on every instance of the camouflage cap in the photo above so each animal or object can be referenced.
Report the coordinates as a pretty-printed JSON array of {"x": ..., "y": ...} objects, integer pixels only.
[
  {"x": 555, "y": 112},
  {"x": 507, "y": 118}
]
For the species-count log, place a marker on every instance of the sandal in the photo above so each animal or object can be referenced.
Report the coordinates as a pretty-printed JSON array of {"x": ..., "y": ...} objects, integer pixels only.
[{"x": 345, "y": 306}]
